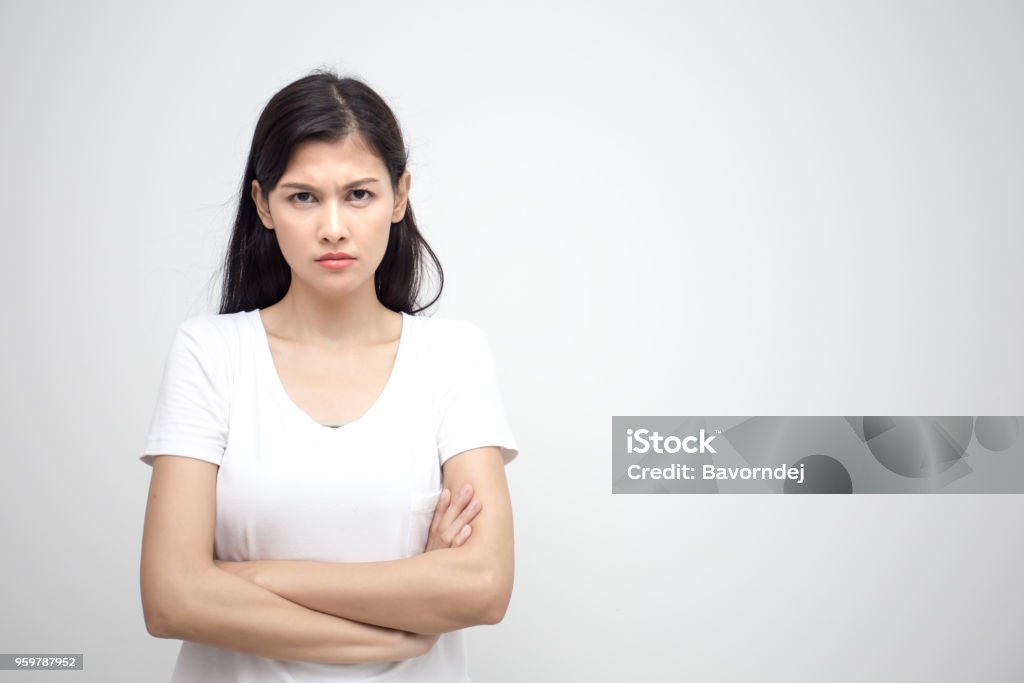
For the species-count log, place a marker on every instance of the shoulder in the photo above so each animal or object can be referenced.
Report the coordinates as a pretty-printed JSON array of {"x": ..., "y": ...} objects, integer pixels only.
[
  {"x": 214, "y": 325},
  {"x": 214, "y": 336},
  {"x": 451, "y": 338}
]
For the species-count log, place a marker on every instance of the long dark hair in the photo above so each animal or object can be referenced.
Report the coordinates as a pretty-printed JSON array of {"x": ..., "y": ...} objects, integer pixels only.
[{"x": 320, "y": 106}]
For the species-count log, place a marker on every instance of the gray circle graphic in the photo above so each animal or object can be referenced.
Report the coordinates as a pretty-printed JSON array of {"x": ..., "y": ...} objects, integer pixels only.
[
  {"x": 996, "y": 433},
  {"x": 918, "y": 446},
  {"x": 822, "y": 474}
]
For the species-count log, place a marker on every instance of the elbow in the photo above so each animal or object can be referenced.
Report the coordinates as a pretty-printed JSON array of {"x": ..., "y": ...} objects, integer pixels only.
[
  {"x": 157, "y": 626},
  {"x": 495, "y": 613},
  {"x": 495, "y": 595},
  {"x": 162, "y": 601},
  {"x": 158, "y": 619}
]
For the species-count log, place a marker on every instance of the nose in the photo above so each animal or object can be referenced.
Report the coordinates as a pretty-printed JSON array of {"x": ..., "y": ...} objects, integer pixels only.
[{"x": 333, "y": 222}]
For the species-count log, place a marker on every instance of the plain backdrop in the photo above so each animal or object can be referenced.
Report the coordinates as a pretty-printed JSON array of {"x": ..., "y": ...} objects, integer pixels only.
[{"x": 716, "y": 208}]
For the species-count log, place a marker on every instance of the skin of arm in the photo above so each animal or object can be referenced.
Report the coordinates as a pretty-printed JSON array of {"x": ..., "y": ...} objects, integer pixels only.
[
  {"x": 431, "y": 593},
  {"x": 186, "y": 596}
]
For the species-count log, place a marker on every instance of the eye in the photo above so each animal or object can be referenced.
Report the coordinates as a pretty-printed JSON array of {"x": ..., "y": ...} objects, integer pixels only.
[
  {"x": 301, "y": 197},
  {"x": 367, "y": 194}
]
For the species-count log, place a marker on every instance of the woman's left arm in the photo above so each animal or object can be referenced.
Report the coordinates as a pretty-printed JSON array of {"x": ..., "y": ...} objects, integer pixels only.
[{"x": 431, "y": 593}]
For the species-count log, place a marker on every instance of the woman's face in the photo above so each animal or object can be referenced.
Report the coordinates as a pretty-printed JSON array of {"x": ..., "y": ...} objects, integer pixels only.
[{"x": 333, "y": 197}]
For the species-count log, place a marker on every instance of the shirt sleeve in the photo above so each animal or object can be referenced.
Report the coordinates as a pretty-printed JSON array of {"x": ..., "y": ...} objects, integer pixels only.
[
  {"x": 191, "y": 413},
  {"x": 472, "y": 412}
]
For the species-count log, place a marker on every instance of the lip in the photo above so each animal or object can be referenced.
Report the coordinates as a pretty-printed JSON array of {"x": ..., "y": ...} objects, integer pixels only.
[
  {"x": 335, "y": 256},
  {"x": 336, "y": 263}
]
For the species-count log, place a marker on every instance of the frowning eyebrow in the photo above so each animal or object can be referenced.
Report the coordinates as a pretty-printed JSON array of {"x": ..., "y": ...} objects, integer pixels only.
[{"x": 349, "y": 186}]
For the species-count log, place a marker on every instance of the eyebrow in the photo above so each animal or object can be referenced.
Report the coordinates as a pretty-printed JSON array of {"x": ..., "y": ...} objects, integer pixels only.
[{"x": 349, "y": 186}]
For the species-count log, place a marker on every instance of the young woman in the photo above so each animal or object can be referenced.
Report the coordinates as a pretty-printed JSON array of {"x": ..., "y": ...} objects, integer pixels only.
[{"x": 319, "y": 449}]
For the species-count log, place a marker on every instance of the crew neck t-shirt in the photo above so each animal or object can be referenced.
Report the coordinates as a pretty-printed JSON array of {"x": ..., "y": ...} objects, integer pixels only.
[{"x": 291, "y": 488}]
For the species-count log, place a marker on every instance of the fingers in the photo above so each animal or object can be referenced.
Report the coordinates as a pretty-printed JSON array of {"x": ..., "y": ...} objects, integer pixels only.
[
  {"x": 458, "y": 513},
  {"x": 462, "y": 536},
  {"x": 452, "y": 506},
  {"x": 459, "y": 503},
  {"x": 467, "y": 515},
  {"x": 440, "y": 509},
  {"x": 458, "y": 531}
]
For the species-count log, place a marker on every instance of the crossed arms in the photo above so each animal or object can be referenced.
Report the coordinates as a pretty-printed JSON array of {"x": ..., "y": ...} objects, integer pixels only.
[{"x": 325, "y": 611}]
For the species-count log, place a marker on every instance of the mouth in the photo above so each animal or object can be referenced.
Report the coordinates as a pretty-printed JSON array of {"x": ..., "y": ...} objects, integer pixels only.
[
  {"x": 336, "y": 256},
  {"x": 335, "y": 261}
]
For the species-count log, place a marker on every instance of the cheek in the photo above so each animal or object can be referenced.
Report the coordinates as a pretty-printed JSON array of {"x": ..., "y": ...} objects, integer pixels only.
[
  {"x": 377, "y": 224},
  {"x": 381, "y": 214},
  {"x": 290, "y": 241},
  {"x": 292, "y": 223}
]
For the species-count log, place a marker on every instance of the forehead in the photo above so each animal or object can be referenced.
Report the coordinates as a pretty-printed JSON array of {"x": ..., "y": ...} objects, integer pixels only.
[{"x": 319, "y": 160}]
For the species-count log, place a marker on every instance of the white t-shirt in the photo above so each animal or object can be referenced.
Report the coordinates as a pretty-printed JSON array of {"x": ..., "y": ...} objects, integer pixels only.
[{"x": 290, "y": 488}]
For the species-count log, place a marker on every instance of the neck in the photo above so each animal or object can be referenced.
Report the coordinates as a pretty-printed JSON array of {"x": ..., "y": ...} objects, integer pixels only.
[{"x": 352, "y": 318}]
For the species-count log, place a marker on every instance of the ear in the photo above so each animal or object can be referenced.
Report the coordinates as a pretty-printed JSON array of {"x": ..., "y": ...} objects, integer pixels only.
[
  {"x": 401, "y": 197},
  {"x": 262, "y": 205}
]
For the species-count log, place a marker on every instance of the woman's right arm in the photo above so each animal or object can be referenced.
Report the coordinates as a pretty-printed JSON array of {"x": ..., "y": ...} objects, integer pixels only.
[{"x": 186, "y": 596}]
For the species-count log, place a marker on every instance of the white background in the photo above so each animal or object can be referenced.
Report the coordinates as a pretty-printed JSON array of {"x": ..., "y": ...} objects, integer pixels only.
[{"x": 652, "y": 208}]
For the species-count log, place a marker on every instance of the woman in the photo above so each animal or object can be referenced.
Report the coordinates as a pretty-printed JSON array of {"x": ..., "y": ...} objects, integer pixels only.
[{"x": 308, "y": 439}]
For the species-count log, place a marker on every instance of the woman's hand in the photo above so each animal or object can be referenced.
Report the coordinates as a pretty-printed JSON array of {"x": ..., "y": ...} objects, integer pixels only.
[{"x": 450, "y": 526}]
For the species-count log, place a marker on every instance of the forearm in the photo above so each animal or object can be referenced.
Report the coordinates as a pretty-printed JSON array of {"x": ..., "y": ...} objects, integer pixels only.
[
  {"x": 431, "y": 593},
  {"x": 217, "y": 608}
]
